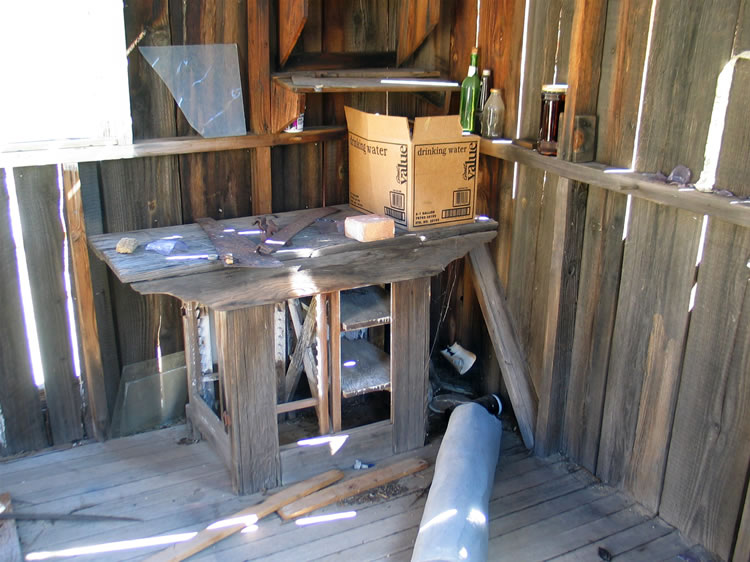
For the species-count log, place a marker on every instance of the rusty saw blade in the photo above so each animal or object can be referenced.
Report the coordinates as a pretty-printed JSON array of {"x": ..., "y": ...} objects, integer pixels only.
[
  {"x": 283, "y": 236},
  {"x": 233, "y": 249}
]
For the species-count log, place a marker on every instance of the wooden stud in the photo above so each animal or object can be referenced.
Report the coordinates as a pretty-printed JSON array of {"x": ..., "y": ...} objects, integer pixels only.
[
  {"x": 304, "y": 339},
  {"x": 321, "y": 344},
  {"x": 93, "y": 370},
  {"x": 334, "y": 299},
  {"x": 410, "y": 340}
]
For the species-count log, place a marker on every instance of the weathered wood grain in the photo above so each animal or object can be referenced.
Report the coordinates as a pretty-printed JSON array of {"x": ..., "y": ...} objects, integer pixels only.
[
  {"x": 246, "y": 363},
  {"x": 416, "y": 20},
  {"x": 638, "y": 185},
  {"x": 595, "y": 318},
  {"x": 735, "y": 142},
  {"x": 562, "y": 293},
  {"x": 505, "y": 341},
  {"x": 410, "y": 340},
  {"x": 742, "y": 547},
  {"x": 707, "y": 466},
  {"x": 321, "y": 347},
  {"x": 304, "y": 339},
  {"x": 44, "y": 239},
  {"x": 676, "y": 118},
  {"x": 644, "y": 368},
  {"x": 10, "y": 547},
  {"x": 131, "y": 201},
  {"x": 19, "y": 400},
  {"x": 93, "y": 370},
  {"x": 334, "y": 350},
  {"x": 292, "y": 19}
]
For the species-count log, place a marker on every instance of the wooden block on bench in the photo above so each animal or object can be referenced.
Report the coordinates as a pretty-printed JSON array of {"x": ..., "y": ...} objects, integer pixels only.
[{"x": 368, "y": 228}]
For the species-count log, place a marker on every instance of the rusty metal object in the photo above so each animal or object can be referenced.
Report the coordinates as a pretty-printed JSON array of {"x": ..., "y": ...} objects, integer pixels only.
[
  {"x": 235, "y": 250},
  {"x": 283, "y": 236}
]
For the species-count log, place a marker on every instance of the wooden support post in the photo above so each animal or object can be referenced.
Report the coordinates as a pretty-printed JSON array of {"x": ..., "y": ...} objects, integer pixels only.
[
  {"x": 246, "y": 361},
  {"x": 410, "y": 340},
  {"x": 259, "y": 77},
  {"x": 335, "y": 346},
  {"x": 93, "y": 375},
  {"x": 10, "y": 546},
  {"x": 505, "y": 341},
  {"x": 321, "y": 343}
]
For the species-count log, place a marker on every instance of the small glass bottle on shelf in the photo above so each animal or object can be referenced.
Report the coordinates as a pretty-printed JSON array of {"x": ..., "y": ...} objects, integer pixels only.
[
  {"x": 493, "y": 115},
  {"x": 470, "y": 94}
]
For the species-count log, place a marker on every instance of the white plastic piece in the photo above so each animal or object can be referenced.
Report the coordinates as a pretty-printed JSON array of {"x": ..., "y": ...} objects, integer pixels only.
[{"x": 462, "y": 359}]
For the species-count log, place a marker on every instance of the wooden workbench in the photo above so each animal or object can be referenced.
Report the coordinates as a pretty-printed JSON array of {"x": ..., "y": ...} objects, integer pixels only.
[{"x": 319, "y": 260}]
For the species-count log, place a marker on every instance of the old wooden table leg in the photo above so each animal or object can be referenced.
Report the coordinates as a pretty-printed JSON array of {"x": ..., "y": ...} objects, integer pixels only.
[
  {"x": 246, "y": 359},
  {"x": 410, "y": 338}
]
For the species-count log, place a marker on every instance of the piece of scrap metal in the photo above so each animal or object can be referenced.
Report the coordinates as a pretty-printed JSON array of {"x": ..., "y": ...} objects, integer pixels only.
[
  {"x": 283, "y": 236},
  {"x": 235, "y": 250}
]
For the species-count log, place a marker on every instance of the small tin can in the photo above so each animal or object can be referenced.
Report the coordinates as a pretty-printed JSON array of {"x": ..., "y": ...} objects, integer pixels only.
[
  {"x": 553, "y": 105},
  {"x": 297, "y": 125}
]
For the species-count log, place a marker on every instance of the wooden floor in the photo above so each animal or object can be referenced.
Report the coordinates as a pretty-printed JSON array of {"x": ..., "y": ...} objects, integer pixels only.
[{"x": 540, "y": 509}]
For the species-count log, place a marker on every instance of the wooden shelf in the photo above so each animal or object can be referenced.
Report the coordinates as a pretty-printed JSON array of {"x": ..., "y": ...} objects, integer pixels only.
[
  {"x": 364, "y": 308},
  {"x": 165, "y": 147},
  {"x": 727, "y": 208},
  {"x": 370, "y": 371},
  {"x": 365, "y": 80}
]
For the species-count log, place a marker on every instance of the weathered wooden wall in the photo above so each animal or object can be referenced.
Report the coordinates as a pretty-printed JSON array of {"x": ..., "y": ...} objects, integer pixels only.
[{"x": 636, "y": 385}]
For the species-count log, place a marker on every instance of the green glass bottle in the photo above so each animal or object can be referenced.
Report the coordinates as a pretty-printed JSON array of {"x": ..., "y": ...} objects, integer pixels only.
[{"x": 470, "y": 94}]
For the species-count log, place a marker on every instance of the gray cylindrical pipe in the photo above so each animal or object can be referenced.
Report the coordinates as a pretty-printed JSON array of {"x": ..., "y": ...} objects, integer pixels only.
[{"x": 455, "y": 521}]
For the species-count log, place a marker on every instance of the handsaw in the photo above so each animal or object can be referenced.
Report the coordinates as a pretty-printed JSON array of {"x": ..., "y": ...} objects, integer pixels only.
[
  {"x": 283, "y": 236},
  {"x": 233, "y": 249}
]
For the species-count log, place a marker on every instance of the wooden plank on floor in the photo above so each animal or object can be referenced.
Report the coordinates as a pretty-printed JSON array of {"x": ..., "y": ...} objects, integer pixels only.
[
  {"x": 410, "y": 341},
  {"x": 513, "y": 545},
  {"x": 352, "y": 487},
  {"x": 662, "y": 548},
  {"x": 246, "y": 517},
  {"x": 10, "y": 547},
  {"x": 39, "y": 194},
  {"x": 21, "y": 413},
  {"x": 620, "y": 542},
  {"x": 505, "y": 341}
]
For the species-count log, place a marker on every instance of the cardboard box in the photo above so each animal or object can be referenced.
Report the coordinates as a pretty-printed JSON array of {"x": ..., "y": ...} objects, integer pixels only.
[{"x": 422, "y": 178}]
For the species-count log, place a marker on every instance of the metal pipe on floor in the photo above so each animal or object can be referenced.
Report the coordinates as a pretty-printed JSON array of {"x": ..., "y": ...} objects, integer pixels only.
[{"x": 455, "y": 521}]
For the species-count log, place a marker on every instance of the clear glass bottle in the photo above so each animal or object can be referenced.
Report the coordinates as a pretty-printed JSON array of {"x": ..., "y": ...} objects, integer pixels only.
[
  {"x": 484, "y": 94},
  {"x": 470, "y": 94},
  {"x": 493, "y": 115}
]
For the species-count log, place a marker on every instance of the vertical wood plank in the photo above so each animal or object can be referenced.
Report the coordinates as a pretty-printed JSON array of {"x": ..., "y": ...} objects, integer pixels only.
[
  {"x": 649, "y": 334},
  {"x": 335, "y": 349},
  {"x": 690, "y": 49},
  {"x": 246, "y": 360},
  {"x": 259, "y": 78},
  {"x": 562, "y": 292},
  {"x": 742, "y": 548},
  {"x": 410, "y": 339},
  {"x": 91, "y": 351},
  {"x": 100, "y": 285},
  {"x": 321, "y": 345},
  {"x": 708, "y": 456},
  {"x": 601, "y": 263},
  {"x": 39, "y": 203},
  {"x": 133, "y": 200},
  {"x": 20, "y": 409}
]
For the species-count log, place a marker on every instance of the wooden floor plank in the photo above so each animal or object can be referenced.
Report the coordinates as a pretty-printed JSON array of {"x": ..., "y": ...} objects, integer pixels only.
[
  {"x": 539, "y": 508},
  {"x": 662, "y": 548},
  {"x": 620, "y": 542}
]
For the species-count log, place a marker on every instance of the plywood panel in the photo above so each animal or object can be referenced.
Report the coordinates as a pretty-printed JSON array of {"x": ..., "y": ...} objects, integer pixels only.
[
  {"x": 20, "y": 409},
  {"x": 39, "y": 201}
]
